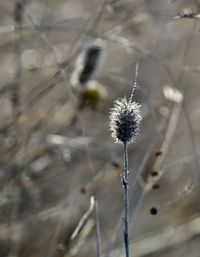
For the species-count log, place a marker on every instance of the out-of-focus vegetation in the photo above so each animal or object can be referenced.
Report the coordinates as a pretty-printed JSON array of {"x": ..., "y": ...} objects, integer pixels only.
[{"x": 58, "y": 162}]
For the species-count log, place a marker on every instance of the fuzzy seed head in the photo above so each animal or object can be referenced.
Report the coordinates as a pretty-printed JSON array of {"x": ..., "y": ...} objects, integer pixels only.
[{"x": 125, "y": 118}]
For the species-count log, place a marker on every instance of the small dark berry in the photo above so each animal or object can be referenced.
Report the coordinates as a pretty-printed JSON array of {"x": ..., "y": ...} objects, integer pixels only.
[
  {"x": 156, "y": 186},
  {"x": 158, "y": 153},
  {"x": 153, "y": 211},
  {"x": 154, "y": 173},
  {"x": 82, "y": 189}
]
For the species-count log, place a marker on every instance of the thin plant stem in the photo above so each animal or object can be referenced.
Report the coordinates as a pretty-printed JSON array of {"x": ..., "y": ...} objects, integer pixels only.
[
  {"x": 93, "y": 191},
  {"x": 16, "y": 89},
  {"x": 126, "y": 200},
  {"x": 97, "y": 225},
  {"x": 135, "y": 82}
]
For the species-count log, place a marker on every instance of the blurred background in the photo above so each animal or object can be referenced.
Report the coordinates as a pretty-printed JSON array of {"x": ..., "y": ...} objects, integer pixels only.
[{"x": 63, "y": 63}]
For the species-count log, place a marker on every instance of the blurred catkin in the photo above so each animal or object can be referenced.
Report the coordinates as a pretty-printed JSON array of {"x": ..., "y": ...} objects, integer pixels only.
[
  {"x": 88, "y": 63},
  {"x": 83, "y": 78}
]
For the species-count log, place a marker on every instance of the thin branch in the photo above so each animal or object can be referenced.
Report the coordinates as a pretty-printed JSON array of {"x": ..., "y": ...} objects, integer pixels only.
[
  {"x": 126, "y": 200},
  {"x": 84, "y": 219},
  {"x": 98, "y": 234},
  {"x": 16, "y": 89}
]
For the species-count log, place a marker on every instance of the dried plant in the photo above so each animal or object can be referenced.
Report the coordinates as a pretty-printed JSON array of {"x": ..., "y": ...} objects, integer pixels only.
[{"x": 125, "y": 120}]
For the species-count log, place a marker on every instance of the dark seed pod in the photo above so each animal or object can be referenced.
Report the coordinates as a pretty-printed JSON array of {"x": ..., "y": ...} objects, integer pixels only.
[
  {"x": 154, "y": 173},
  {"x": 125, "y": 120},
  {"x": 153, "y": 211}
]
